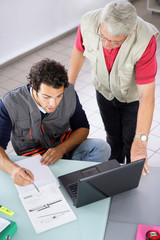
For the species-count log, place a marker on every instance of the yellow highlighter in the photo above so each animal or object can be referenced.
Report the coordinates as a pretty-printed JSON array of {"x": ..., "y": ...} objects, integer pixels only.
[{"x": 6, "y": 210}]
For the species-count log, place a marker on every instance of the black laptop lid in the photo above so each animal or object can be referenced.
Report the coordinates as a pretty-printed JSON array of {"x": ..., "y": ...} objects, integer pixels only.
[
  {"x": 117, "y": 180},
  {"x": 109, "y": 183},
  {"x": 102, "y": 180}
]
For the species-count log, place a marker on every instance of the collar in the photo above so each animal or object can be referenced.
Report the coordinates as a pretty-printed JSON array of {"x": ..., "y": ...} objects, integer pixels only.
[{"x": 39, "y": 107}]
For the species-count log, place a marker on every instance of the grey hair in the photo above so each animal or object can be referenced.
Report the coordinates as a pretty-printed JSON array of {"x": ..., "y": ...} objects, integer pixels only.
[{"x": 120, "y": 17}]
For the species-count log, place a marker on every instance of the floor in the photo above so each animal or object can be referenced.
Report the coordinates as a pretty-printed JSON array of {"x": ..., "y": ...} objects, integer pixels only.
[{"x": 14, "y": 75}]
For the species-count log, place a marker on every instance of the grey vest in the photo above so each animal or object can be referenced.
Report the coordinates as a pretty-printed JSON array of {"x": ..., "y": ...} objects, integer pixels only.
[
  {"x": 120, "y": 83},
  {"x": 29, "y": 132}
]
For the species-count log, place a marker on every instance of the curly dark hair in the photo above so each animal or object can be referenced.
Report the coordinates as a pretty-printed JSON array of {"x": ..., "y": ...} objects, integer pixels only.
[{"x": 49, "y": 72}]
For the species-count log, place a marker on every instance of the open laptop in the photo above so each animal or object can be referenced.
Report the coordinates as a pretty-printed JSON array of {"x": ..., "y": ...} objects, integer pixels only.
[{"x": 100, "y": 181}]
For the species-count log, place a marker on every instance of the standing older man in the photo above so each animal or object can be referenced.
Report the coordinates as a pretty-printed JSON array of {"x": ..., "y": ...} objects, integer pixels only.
[{"x": 121, "y": 48}]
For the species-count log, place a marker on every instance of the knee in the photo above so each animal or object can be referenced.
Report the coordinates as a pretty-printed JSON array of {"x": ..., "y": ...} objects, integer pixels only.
[{"x": 104, "y": 149}]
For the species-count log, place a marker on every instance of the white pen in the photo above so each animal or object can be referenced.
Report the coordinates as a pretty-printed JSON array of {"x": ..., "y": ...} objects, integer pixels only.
[{"x": 32, "y": 183}]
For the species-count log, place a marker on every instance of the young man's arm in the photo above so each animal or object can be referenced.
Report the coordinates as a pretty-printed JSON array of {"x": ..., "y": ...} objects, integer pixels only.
[
  {"x": 54, "y": 154},
  {"x": 80, "y": 130},
  {"x": 16, "y": 172}
]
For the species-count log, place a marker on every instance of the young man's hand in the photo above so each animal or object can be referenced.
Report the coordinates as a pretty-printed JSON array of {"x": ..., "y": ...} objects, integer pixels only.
[
  {"x": 22, "y": 176},
  {"x": 52, "y": 155}
]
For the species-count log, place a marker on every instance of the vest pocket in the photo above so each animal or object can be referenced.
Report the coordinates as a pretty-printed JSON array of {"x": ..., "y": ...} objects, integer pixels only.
[
  {"x": 22, "y": 129},
  {"x": 90, "y": 42},
  {"x": 91, "y": 56},
  {"x": 128, "y": 85},
  {"x": 127, "y": 77}
]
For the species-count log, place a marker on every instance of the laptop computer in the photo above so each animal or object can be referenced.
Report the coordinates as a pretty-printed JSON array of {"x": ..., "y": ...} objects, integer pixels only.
[{"x": 100, "y": 181}]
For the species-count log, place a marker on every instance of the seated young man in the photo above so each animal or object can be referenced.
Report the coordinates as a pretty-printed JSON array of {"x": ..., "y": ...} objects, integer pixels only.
[{"x": 45, "y": 117}]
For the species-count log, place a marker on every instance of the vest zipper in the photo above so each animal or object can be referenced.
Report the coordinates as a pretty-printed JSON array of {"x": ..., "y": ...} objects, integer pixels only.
[
  {"x": 30, "y": 132},
  {"x": 109, "y": 85},
  {"x": 42, "y": 127}
]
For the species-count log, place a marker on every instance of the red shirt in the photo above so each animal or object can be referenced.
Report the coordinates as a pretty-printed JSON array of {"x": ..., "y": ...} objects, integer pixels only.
[{"x": 146, "y": 67}]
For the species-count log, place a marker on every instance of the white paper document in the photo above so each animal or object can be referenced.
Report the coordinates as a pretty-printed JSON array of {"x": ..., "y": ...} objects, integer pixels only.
[
  {"x": 48, "y": 208},
  {"x": 42, "y": 174}
]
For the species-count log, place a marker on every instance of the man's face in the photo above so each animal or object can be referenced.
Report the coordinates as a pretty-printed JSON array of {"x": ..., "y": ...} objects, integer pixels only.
[
  {"x": 48, "y": 97},
  {"x": 109, "y": 41}
]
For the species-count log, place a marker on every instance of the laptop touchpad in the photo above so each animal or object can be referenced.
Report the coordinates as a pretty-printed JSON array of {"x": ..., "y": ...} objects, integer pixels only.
[{"x": 89, "y": 172}]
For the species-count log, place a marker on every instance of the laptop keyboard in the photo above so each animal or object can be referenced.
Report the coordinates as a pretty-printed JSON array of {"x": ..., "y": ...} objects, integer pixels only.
[{"x": 73, "y": 187}]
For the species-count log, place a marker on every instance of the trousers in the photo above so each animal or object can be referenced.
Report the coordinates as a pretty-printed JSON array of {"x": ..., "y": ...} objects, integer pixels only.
[
  {"x": 93, "y": 150},
  {"x": 120, "y": 121}
]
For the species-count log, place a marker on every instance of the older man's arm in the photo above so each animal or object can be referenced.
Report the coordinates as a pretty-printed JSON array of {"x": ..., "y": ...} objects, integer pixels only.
[
  {"x": 144, "y": 120},
  {"x": 76, "y": 63}
]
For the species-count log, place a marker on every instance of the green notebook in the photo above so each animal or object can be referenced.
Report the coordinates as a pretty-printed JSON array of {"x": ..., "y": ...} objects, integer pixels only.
[{"x": 9, "y": 231}]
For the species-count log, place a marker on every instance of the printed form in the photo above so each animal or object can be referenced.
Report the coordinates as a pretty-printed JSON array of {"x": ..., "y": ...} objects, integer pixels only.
[{"x": 47, "y": 208}]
